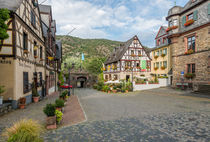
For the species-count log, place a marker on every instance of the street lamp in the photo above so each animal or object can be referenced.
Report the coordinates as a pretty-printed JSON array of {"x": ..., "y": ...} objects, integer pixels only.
[{"x": 69, "y": 70}]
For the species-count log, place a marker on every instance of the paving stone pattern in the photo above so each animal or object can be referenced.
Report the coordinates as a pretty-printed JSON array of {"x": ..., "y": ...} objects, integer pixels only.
[
  {"x": 160, "y": 115},
  {"x": 32, "y": 111}
]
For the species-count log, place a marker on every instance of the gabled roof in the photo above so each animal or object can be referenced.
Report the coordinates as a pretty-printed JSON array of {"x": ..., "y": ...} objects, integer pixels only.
[
  {"x": 118, "y": 52},
  {"x": 191, "y": 4},
  {"x": 12, "y": 5},
  {"x": 162, "y": 27}
]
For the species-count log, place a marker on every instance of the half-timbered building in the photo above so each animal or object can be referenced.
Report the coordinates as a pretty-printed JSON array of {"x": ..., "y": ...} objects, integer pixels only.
[
  {"x": 22, "y": 54},
  {"x": 128, "y": 60},
  {"x": 49, "y": 30}
]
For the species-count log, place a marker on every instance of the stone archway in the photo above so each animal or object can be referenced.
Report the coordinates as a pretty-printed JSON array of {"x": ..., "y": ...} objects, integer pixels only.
[{"x": 81, "y": 82}]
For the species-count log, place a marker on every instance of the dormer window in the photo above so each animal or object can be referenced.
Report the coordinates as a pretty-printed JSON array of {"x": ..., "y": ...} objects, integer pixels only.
[{"x": 190, "y": 17}]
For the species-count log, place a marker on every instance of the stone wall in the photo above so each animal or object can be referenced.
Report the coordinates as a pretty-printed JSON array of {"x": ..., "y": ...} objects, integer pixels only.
[{"x": 199, "y": 58}]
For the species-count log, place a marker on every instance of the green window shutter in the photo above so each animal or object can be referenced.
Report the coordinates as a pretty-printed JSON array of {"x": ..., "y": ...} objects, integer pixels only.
[
  {"x": 143, "y": 64},
  {"x": 209, "y": 9},
  {"x": 183, "y": 20},
  {"x": 195, "y": 15}
]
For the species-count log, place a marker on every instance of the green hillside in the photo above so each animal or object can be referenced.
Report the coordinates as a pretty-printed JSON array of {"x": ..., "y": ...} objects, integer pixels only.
[{"x": 73, "y": 47}]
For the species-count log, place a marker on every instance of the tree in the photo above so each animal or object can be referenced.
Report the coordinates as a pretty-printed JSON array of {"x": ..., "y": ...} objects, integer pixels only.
[
  {"x": 95, "y": 65},
  {"x": 4, "y": 16},
  {"x": 2, "y": 89}
]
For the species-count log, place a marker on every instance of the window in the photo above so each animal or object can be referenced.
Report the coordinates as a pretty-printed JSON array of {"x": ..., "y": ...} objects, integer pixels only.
[
  {"x": 170, "y": 23},
  {"x": 33, "y": 19},
  {"x": 164, "y": 40},
  {"x": 137, "y": 64},
  {"x": 157, "y": 64},
  {"x": 190, "y": 16},
  {"x": 165, "y": 64},
  {"x": 165, "y": 51},
  {"x": 191, "y": 43},
  {"x": 160, "y": 64},
  {"x": 157, "y": 53},
  {"x": 132, "y": 52},
  {"x": 175, "y": 22},
  {"x": 139, "y": 52},
  {"x": 25, "y": 82},
  {"x": 190, "y": 68},
  {"x": 209, "y": 62},
  {"x": 161, "y": 52},
  {"x": 25, "y": 41},
  {"x": 40, "y": 52},
  {"x": 40, "y": 78}
]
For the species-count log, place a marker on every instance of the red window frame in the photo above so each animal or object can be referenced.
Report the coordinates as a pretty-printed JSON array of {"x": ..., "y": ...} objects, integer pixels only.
[
  {"x": 191, "y": 14},
  {"x": 189, "y": 68},
  {"x": 192, "y": 41}
]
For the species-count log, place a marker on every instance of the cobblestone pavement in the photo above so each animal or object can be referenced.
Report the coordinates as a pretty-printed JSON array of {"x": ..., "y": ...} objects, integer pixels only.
[
  {"x": 33, "y": 111},
  {"x": 154, "y": 115}
]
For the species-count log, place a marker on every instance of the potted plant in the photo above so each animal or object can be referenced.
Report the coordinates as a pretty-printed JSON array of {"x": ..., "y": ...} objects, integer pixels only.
[
  {"x": 163, "y": 55},
  {"x": 155, "y": 68},
  {"x": 189, "y": 75},
  {"x": 59, "y": 104},
  {"x": 59, "y": 116},
  {"x": 190, "y": 51},
  {"x": 22, "y": 102},
  {"x": 114, "y": 89},
  {"x": 156, "y": 56},
  {"x": 189, "y": 22},
  {"x": 35, "y": 94},
  {"x": 49, "y": 110},
  {"x": 63, "y": 95},
  {"x": 163, "y": 67}
]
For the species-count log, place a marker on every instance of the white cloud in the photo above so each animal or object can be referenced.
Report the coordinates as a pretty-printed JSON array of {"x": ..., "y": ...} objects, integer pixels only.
[{"x": 91, "y": 20}]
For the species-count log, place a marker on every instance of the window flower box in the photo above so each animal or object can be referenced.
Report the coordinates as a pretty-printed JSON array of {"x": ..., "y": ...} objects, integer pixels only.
[
  {"x": 156, "y": 56},
  {"x": 189, "y": 75},
  {"x": 189, "y": 22},
  {"x": 35, "y": 57},
  {"x": 163, "y": 55},
  {"x": 171, "y": 28},
  {"x": 139, "y": 55},
  {"x": 133, "y": 55},
  {"x": 163, "y": 67},
  {"x": 138, "y": 67},
  {"x": 148, "y": 67},
  {"x": 25, "y": 51},
  {"x": 155, "y": 68},
  {"x": 190, "y": 51}
]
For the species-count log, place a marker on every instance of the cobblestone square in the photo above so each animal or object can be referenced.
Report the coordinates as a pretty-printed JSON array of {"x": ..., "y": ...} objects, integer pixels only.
[{"x": 159, "y": 115}]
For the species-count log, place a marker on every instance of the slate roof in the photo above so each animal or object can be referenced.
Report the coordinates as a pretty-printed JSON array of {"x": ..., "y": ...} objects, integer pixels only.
[
  {"x": 118, "y": 52},
  {"x": 12, "y": 5},
  {"x": 44, "y": 29},
  {"x": 45, "y": 8},
  {"x": 191, "y": 4}
]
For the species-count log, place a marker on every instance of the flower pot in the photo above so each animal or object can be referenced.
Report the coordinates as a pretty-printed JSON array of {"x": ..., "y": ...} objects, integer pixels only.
[
  {"x": 109, "y": 92},
  {"x": 36, "y": 99},
  {"x": 51, "y": 122},
  {"x": 114, "y": 91},
  {"x": 21, "y": 106},
  {"x": 59, "y": 108},
  {"x": 126, "y": 91}
]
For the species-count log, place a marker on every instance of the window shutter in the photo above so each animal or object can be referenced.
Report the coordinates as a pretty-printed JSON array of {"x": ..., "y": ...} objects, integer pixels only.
[
  {"x": 209, "y": 9},
  {"x": 183, "y": 20},
  {"x": 195, "y": 15}
]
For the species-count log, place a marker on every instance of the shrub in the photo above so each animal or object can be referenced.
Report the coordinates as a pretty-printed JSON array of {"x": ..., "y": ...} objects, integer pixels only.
[
  {"x": 106, "y": 88},
  {"x": 95, "y": 86},
  {"x": 64, "y": 94},
  {"x": 59, "y": 115},
  {"x": 59, "y": 103},
  {"x": 24, "y": 131},
  {"x": 34, "y": 90},
  {"x": 49, "y": 110}
]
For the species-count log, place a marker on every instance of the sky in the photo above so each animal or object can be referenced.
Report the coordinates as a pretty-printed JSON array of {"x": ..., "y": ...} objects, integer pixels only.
[{"x": 112, "y": 19}]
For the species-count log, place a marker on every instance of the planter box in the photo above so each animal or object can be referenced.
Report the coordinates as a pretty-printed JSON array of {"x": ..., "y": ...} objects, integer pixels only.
[{"x": 51, "y": 122}]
